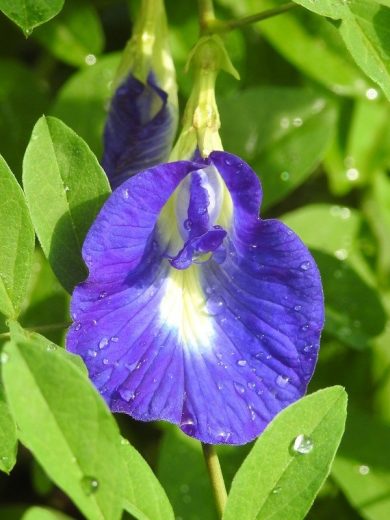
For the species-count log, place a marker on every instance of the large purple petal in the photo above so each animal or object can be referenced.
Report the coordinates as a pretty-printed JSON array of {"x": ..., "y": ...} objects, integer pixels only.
[
  {"x": 218, "y": 348},
  {"x": 139, "y": 131}
]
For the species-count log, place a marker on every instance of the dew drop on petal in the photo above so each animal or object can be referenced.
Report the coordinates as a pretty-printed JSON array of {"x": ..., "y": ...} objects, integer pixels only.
[
  {"x": 102, "y": 295},
  {"x": 89, "y": 485},
  {"x": 297, "y": 308},
  {"x": 125, "y": 193},
  {"x": 114, "y": 339},
  {"x": 239, "y": 387},
  {"x": 302, "y": 444},
  {"x": 103, "y": 343},
  {"x": 77, "y": 326},
  {"x": 187, "y": 224},
  {"x": 92, "y": 353},
  {"x": 305, "y": 266},
  {"x": 282, "y": 381},
  {"x": 241, "y": 363}
]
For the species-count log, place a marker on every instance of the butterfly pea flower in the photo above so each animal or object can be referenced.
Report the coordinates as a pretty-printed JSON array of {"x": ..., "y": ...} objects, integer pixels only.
[
  {"x": 142, "y": 118},
  {"x": 197, "y": 311}
]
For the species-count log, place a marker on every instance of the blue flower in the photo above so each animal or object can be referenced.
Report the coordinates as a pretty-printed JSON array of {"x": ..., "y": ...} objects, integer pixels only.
[
  {"x": 143, "y": 114},
  {"x": 139, "y": 130},
  {"x": 196, "y": 311}
]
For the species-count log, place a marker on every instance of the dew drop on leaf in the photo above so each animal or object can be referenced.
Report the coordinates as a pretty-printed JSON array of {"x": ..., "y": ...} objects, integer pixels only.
[
  {"x": 302, "y": 444},
  {"x": 89, "y": 485}
]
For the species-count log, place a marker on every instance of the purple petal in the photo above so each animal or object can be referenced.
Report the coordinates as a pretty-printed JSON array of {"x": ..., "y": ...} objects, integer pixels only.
[
  {"x": 219, "y": 347},
  {"x": 139, "y": 131}
]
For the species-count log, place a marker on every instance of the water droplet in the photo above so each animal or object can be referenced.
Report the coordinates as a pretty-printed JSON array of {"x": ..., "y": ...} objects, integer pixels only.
[
  {"x": 302, "y": 444},
  {"x": 239, "y": 387},
  {"x": 105, "y": 361},
  {"x": 77, "y": 326},
  {"x": 276, "y": 490},
  {"x": 89, "y": 485},
  {"x": 297, "y": 308},
  {"x": 187, "y": 224},
  {"x": 282, "y": 381},
  {"x": 297, "y": 122},
  {"x": 128, "y": 395},
  {"x": 305, "y": 327},
  {"x": 90, "y": 59},
  {"x": 307, "y": 348},
  {"x": 51, "y": 347},
  {"x": 305, "y": 266},
  {"x": 103, "y": 343},
  {"x": 251, "y": 386},
  {"x": 184, "y": 488},
  {"x": 364, "y": 470},
  {"x": 66, "y": 188},
  {"x": 102, "y": 295},
  {"x": 345, "y": 213},
  {"x": 241, "y": 363},
  {"x": 214, "y": 305},
  {"x": 285, "y": 122},
  {"x": 125, "y": 193},
  {"x": 352, "y": 174},
  {"x": 284, "y": 176},
  {"x": 114, "y": 339},
  {"x": 371, "y": 94},
  {"x": 341, "y": 254},
  {"x": 4, "y": 357},
  {"x": 92, "y": 353}
]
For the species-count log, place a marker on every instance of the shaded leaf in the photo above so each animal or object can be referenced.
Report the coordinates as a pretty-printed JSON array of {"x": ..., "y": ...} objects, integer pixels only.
[
  {"x": 65, "y": 188},
  {"x": 282, "y": 132},
  {"x": 30, "y": 13},
  {"x": 75, "y": 36}
]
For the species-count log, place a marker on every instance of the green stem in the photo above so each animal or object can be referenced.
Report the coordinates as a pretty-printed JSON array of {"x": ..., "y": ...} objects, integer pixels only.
[
  {"x": 214, "y": 26},
  {"x": 216, "y": 477},
  {"x": 206, "y": 14}
]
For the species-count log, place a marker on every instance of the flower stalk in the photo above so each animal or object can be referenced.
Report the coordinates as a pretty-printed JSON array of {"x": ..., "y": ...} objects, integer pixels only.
[{"x": 216, "y": 477}]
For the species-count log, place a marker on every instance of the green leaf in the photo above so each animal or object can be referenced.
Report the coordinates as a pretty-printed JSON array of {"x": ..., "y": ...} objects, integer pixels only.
[
  {"x": 23, "y": 98},
  {"x": 8, "y": 438},
  {"x": 360, "y": 146},
  {"x": 30, "y": 13},
  {"x": 311, "y": 41},
  {"x": 47, "y": 302},
  {"x": 65, "y": 188},
  {"x": 82, "y": 101},
  {"x": 365, "y": 29},
  {"x": 282, "y": 132},
  {"x": 42, "y": 513},
  {"x": 145, "y": 499},
  {"x": 75, "y": 36},
  {"x": 354, "y": 311},
  {"x": 67, "y": 426},
  {"x": 186, "y": 481},
  {"x": 17, "y": 241},
  {"x": 361, "y": 468},
  {"x": 279, "y": 482}
]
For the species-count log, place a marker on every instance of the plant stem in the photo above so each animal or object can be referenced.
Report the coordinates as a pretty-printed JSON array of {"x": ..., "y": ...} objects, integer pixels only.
[
  {"x": 216, "y": 477},
  {"x": 206, "y": 14},
  {"x": 214, "y": 26}
]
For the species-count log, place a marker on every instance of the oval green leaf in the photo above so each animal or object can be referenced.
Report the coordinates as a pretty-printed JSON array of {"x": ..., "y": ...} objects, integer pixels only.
[
  {"x": 67, "y": 426},
  {"x": 17, "y": 242},
  {"x": 290, "y": 461},
  {"x": 65, "y": 188}
]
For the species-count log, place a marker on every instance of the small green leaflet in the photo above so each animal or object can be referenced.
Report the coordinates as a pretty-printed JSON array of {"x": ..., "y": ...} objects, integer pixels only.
[
  {"x": 65, "y": 188},
  {"x": 291, "y": 459},
  {"x": 365, "y": 29},
  {"x": 8, "y": 438}
]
